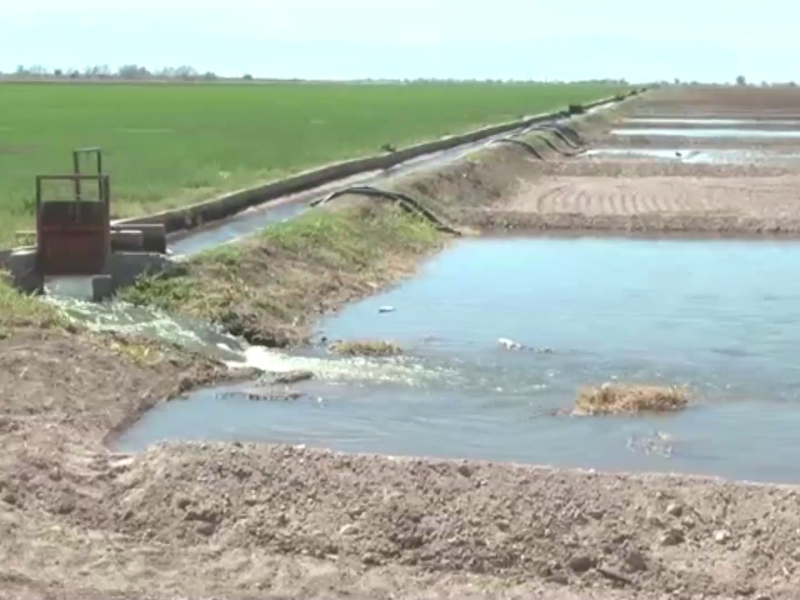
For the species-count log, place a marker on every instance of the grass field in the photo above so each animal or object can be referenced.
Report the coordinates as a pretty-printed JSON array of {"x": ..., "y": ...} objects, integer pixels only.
[{"x": 169, "y": 145}]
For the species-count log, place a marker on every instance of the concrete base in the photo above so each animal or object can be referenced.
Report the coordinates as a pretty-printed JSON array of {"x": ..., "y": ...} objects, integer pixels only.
[
  {"x": 22, "y": 266},
  {"x": 122, "y": 270},
  {"x": 126, "y": 267},
  {"x": 126, "y": 240},
  {"x": 152, "y": 238},
  {"x": 93, "y": 288}
]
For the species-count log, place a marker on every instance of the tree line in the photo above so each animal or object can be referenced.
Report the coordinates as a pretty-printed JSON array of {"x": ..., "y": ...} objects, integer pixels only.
[
  {"x": 130, "y": 72},
  {"x": 133, "y": 72}
]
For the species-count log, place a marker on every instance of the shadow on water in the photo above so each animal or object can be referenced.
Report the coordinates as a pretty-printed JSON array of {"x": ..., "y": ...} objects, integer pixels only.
[{"x": 720, "y": 316}]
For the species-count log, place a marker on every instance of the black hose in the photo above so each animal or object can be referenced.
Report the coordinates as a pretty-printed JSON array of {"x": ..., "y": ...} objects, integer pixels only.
[
  {"x": 559, "y": 134},
  {"x": 555, "y": 148},
  {"x": 521, "y": 143},
  {"x": 406, "y": 202},
  {"x": 571, "y": 133}
]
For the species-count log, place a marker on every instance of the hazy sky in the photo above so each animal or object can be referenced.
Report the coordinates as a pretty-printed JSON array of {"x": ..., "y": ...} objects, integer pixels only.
[{"x": 344, "y": 39}]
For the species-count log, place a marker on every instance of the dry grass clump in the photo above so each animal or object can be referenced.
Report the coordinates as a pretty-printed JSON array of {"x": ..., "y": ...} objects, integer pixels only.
[
  {"x": 366, "y": 348},
  {"x": 616, "y": 399}
]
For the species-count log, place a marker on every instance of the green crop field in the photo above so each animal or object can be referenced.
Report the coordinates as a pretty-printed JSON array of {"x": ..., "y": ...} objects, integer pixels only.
[{"x": 168, "y": 145}]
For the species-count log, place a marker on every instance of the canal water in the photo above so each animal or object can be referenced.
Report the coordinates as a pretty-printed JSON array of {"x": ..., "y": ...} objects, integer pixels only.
[{"x": 722, "y": 317}]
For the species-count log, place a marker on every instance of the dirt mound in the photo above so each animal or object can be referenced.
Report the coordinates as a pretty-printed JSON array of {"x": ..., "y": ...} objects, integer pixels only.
[{"x": 651, "y": 534}]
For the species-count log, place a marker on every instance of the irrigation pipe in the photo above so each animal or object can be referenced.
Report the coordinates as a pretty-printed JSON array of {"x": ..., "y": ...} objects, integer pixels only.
[
  {"x": 560, "y": 135},
  {"x": 406, "y": 202},
  {"x": 522, "y": 143},
  {"x": 556, "y": 149},
  {"x": 568, "y": 132}
]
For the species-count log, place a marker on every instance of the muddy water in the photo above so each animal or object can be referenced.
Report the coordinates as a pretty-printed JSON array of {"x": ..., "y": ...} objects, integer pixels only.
[{"x": 722, "y": 317}]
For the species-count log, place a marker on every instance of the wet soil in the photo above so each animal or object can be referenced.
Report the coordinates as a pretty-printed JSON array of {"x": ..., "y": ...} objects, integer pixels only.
[{"x": 244, "y": 521}]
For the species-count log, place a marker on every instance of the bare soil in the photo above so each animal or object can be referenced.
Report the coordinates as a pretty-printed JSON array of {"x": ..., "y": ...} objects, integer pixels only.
[{"x": 256, "y": 521}]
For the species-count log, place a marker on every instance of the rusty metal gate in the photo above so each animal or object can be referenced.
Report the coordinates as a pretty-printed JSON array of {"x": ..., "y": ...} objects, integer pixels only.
[{"x": 73, "y": 236}]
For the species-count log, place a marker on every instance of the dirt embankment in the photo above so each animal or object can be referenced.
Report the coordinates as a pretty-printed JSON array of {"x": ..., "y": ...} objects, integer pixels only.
[
  {"x": 244, "y": 521},
  {"x": 272, "y": 287}
]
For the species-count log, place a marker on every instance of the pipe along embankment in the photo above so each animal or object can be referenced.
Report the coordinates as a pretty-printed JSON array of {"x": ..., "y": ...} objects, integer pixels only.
[{"x": 345, "y": 244}]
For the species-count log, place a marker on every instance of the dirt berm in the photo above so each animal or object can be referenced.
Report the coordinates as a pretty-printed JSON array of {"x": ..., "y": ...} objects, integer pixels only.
[{"x": 253, "y": 521}]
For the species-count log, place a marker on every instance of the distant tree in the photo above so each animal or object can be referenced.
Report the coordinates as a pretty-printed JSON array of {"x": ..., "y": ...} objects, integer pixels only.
[
  {"x": 247, "y": 77},
  {"x": 740, "y": 80},
  {"x": 38, "y": 71},
  {"x": 792, "y": 84},
  {"x": 21, "y": 71},
  {"x": 132, "y": 72},
  {"x": 97, "y": 71},
  {"x": 166, "y": 73},
  {"x": 58, "y": 73},
  {"x": 185, "y": 72},
  {"x": 74, "y": 74},
  {"x": 677, "y": 81},
  {"x": 210, "y": 76}
]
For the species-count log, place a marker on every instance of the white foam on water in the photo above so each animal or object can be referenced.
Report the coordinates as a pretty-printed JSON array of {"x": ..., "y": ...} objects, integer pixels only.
[
  {"x": 134, "y": 320},
  {"x": 75, "y": 287},
  {"x": 405, "y": 370}
]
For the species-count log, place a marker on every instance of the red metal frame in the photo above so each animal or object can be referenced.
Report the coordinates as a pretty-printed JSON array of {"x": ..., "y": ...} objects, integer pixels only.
[{"x": 73, "y": 237}]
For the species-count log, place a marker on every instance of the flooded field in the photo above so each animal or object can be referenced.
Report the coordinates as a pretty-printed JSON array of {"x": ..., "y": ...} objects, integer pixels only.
[
  {"x": 710, "y": 156},
  {"x": 718, "y": 316},
  {"x": 715, "y": 132}
]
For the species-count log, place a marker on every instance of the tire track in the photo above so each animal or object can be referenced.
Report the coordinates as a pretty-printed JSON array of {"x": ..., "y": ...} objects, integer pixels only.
[{"x": 633, "y": 197}]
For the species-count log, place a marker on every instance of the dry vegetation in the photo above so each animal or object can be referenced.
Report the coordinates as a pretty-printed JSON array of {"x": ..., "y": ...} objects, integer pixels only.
[
  {"x": 627, "y": 399},
  {"x": 375, "y": 348}
]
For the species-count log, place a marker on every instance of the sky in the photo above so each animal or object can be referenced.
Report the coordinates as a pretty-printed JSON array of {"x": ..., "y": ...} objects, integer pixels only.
[{"x": 464, "y": 39}]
